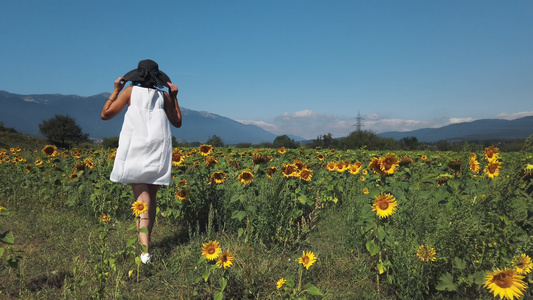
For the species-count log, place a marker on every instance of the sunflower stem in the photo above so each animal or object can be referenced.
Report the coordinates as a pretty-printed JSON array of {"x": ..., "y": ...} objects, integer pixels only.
[{"x": 300, "y": 279}]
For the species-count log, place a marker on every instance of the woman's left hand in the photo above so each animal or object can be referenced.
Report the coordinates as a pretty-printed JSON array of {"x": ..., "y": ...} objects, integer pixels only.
[{"x": 119, "y": 84}]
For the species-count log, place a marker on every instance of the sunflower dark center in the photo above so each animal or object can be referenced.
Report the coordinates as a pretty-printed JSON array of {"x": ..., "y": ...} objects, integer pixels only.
[
  {"x": 383, "y": 205},
  {"x": 503, "y": 280}
]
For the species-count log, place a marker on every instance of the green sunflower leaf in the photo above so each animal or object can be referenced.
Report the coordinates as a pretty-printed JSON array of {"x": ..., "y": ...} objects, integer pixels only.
[
  {"x": 222, "y": 282},
  {"x": 446, "y": 283},
  {"x": 313, "y": 290},
  {"x": 218, "y": 295},
  {"x": 372, "y": 247},
  {"x": 479, "y": 277},
  {"x": 459, "y": 263},
  {"x": 7, "y": 237}
]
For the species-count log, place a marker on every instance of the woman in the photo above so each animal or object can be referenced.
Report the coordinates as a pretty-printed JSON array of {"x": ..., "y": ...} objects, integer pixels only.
[{"x": 144, "y": 154}]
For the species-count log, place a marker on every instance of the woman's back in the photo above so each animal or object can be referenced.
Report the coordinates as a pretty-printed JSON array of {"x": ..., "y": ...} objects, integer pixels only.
[{"x": 145, "y": 147}]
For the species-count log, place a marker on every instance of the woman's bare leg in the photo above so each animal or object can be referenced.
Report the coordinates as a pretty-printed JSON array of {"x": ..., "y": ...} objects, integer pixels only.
[{"x": 146, "y": 193}]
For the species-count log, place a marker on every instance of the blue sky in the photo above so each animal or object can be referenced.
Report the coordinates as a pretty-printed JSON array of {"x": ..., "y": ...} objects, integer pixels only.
[{"x": 292, "y": 67}]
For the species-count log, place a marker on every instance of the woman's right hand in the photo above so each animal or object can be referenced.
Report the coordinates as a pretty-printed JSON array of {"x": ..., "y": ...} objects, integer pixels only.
[{"x": 119, "y": 84}]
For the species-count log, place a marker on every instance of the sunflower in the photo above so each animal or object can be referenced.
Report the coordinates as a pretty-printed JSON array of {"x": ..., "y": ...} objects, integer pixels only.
[
  {"x": 405, "y": 161},
  {"x": 270, "y": 171},
  {"x": 388, "y": 164},
  {"x": 282, "y": 150},
  {"x": 139, "y": 207},
  {"x": 38, "y": 161},
  {"x": 205, "y": 150},
  {"x": 246, "y": 177},
  {"x": 105, "y": 218},
  {"x": 112, "y": 155},
  {"x": 182, "y": 194},
  {"x": 89, "y": 163},
  {"x": 306, "y": 174},
  {"x": 290, "y": 170},
  {"x": 225, "y": 260},
  {"x": 366, "y": 191},
  {"x": 384, "y": 205},
  {"x": 300, "y": 164},
  {"x": 442, "y": 179},
  {"x": 425, "y": 253},
  {"x": 424, "y": 157},
  {"x": 182, "y": 182},
  {"x": 374, "y": 165},
  {"x": 455, "y": 165},
  {"x": 331, "y": 166},
  {"x": 474, "y": 164},
  {"x": 217, "y": 177},
  {"x": 320, "y": 157},
  {"x": 528, "y": 172},
  {"x": 73, "y": 176},
  {"x": 523, "y": 264},
  {"x": 211, "y": 250},
  {"x": 505, "y": 283},
  {"x": 307, "y": 259},
  {"x": 210, "y": 161},
  {"x": 491, "y": 153},
  {"x": 28, "y": 168},
  {"x": 79, "y": 166},
  {"x": 259, "y": 158},
  {"x": 355, "y": 168},
  {"x": 341, "y": 166},
  {"x": 493, "y": 169},
  {"x": 280, "y": 283},
  {"x": 177, "y": 157},
  {"x": 50, "y": 150}
]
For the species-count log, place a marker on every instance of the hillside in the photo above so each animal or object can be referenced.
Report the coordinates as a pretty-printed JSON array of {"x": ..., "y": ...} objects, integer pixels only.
[
  {"x": 26, "y": 112},
  {"x": 479, "y": 130}
]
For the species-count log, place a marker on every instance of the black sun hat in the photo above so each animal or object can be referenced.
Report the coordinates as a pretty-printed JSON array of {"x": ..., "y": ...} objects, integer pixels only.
[{"x": 148, "y": 72}]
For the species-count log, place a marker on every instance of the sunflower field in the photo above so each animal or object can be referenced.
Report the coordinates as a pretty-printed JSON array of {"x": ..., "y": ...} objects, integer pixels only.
[{"x": 271, "y": 224}]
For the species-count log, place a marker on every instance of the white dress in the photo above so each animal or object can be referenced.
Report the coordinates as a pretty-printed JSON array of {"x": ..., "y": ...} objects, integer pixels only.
[{"x": 144, "y": 153}]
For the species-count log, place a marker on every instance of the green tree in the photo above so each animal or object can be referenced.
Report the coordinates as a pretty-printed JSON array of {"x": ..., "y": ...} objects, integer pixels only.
[
  {"x": 409, "y": 143},
  {"x": 284, "y": 141},
  {"x": 215, "y": 141},
  {"x": 368, "y": 140},
  {"x": 111, "y": 142},
  {"x": 324, "y": 141},
  {"x": 62, "y": 130}
]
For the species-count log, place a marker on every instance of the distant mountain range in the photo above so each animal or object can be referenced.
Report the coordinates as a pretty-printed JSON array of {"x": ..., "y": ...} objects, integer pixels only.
[
  {"x": 24, "y": 113},
  {"x": 479, "y": 130}
]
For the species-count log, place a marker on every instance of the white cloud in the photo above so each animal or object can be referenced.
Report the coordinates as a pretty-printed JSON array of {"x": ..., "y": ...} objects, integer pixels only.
[
  {"x": 266, "y": 126},
  {"x": 384, "y": 124},
  {"x": 513, "y": 116},
  {"x": 310, "y": 125},
  {"x": 461, "y": 120}
]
